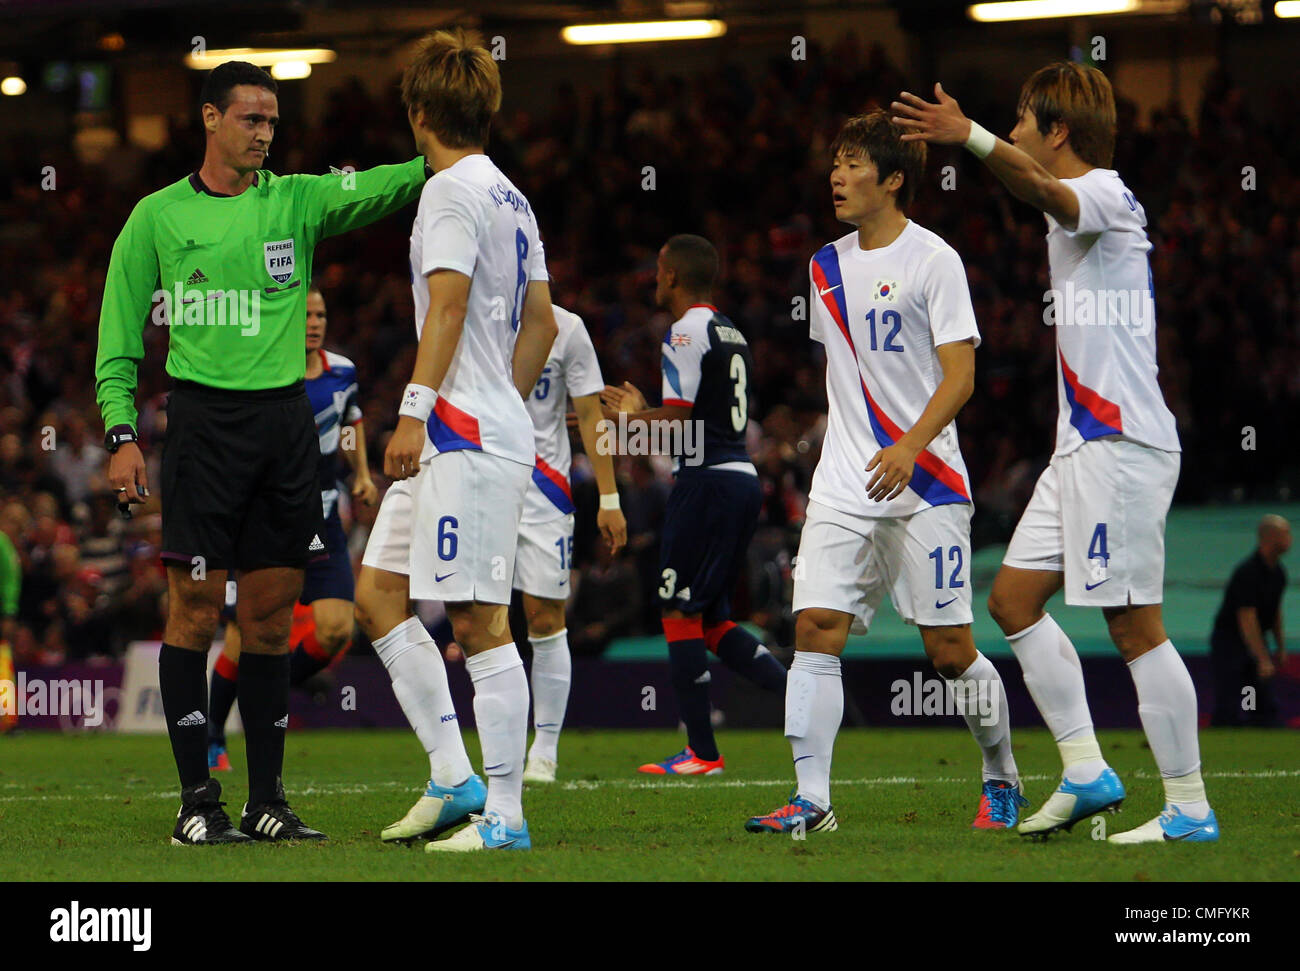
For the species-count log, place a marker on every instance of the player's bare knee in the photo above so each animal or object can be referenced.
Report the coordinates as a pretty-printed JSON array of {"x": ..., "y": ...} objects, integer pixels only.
[
  {"x": 818, "y": 630},
  {"x": 374, "y": 614},
  {"x": 951, "y": 656},
  {"x": 265, "y": 636},
  {"x": 1009, "y": 613},
  {"x": 467, "y": 631},
  {"x": 194, "y": 628},
  {"x": 545, "y": 617},
  {"x": 333, "y": 635}
]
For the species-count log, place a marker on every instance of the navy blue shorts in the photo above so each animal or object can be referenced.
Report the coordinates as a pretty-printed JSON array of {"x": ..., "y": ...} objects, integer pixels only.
[
  {"x": 329, "y": 574},
  {"x": 330, "y": 577},
  {"x": 708, "y": 523}
]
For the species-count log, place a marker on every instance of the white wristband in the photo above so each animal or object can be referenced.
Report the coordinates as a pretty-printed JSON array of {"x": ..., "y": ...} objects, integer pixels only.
[
  {"x": 980, "y": 141},
  {"x": 418, "y": 402},
  {"x": 609, "y": 500}
]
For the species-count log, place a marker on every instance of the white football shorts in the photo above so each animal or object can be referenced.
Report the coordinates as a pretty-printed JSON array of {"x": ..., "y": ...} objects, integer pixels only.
[
  {"x": 452, "y": 528},
  {"x": 848, "y": 562},
  {"x": 544, "y": 558},
  {"x": 1098, "y": 515}
]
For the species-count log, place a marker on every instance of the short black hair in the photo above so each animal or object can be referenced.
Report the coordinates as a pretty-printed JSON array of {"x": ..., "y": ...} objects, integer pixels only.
[
  {"x": 223, "y": 77},
  {"x": 875, "y": 136},
  {"x": 695, "y": 260}
]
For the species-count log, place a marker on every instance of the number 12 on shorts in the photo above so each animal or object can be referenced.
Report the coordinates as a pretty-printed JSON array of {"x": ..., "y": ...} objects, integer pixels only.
[{"x": 954, "y": 557}]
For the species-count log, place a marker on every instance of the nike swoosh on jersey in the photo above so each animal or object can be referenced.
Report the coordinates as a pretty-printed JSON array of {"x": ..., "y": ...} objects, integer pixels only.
[
  {"x": 439, "y": 579},
  {"x": 829, "y": 289},
  {"x": 1094, "y": 586}
]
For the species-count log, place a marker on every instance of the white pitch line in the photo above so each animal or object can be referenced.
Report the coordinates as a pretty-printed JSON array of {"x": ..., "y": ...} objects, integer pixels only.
[
  {"x": 890, "y": 780},
  {"x": 684, "y": 784}
]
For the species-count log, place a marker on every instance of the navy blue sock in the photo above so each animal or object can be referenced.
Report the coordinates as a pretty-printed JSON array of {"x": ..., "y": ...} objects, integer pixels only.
[
  {"x": 225, "y": 686},
  {"x": 689, "y": 661},
  {"x": 741, "y": 651}
]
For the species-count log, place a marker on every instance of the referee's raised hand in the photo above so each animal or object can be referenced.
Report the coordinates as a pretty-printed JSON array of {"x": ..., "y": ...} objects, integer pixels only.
[{"x": 127, "y": 475}]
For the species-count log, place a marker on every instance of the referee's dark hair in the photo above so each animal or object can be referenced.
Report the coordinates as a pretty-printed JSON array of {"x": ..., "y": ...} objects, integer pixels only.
[
  {"x": 223, "y": 77},
  {"x": 695, "y": 260}
]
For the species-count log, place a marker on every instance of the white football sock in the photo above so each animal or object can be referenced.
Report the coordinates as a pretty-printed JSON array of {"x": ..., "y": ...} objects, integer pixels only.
[
  {"x": 982, "y": 700},
  {"x": 1167, "y": 707},
  {"x": 420, "y": 682},
  {"x": 814, "y": 706},
  {"x": 552, "y": 673},
  {"x": 501, "y": 712},
  {"x": 1054, "y": 678}
]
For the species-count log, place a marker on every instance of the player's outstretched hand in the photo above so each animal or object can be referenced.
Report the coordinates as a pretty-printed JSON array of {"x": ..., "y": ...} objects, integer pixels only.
[
  {"x": 613, "y": 527},
  {"x": 128, "y": 477},
  {"x": 893, "y": 471},
  {"x": 402, "y": 457},
  {"x": 941, "y": 124}
]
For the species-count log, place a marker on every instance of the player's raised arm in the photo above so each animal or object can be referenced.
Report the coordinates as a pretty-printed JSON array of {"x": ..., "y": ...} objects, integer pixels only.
[
  {"x": 943, "y": 123},
  {"x": 537, "y": 332},
  {"x": 129, "y": 286},
  {"x": 334, "y": 203}
]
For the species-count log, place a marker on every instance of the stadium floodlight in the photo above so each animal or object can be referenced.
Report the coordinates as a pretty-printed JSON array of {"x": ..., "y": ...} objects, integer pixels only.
[
  {"x": 261, "y": 56},
  {"x": 1286, "y": 8},
  {"x": 643, "y": 31},
  {"x": 1042, "y": 9},
  {"x": 290, "y": 70},
  {"x": 13, "y": 86}
]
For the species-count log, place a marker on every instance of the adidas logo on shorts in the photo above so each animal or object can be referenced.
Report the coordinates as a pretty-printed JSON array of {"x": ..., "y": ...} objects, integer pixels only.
[
  {"x": 193, "y": 718},
  {"x": 283, "y": 722},
  {"x": 316, "y": 545}
]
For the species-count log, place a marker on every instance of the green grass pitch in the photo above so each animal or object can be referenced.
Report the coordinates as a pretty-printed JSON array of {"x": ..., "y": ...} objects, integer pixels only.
[{"x": 101, "y": 807}]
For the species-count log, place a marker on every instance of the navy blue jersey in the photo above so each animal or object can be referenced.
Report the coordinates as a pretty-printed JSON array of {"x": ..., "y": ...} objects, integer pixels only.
[
  {"x": 707, "y": 365},
  {"x": 333, "y": 397}
]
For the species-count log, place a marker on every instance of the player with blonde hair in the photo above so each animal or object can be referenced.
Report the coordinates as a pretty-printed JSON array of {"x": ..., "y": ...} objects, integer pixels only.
[{"x": 462, "y": 455}]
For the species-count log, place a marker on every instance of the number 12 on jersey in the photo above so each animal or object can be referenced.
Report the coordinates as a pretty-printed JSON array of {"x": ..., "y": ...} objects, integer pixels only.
[{"x": 891, "y": 319}]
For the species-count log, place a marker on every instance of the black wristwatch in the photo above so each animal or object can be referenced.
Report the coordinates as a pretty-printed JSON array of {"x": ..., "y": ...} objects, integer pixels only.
[{"x": 117, "y": 436}]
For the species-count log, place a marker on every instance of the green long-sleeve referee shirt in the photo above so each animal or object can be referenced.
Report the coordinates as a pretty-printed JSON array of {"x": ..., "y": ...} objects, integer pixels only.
[{"x": 228, "y": 276}]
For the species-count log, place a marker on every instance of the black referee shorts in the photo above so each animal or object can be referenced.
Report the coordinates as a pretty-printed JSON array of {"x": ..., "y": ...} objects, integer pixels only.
[{"x": 240, "y": 478}]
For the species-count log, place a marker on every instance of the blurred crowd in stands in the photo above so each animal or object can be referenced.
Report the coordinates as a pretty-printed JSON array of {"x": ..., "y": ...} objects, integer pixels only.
[{"x": 738, "y": 156}]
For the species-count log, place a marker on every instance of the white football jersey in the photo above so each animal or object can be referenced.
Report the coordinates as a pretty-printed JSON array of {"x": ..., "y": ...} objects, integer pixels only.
[
  {"x": 571, "y": 369},
  {"x": 471, "y": 219},
  {"x": 881, "y": 313},
  {"x": 1103, "y": 309}
]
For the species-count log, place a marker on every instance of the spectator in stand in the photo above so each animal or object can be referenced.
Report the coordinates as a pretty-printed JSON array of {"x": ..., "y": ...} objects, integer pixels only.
[
  {"x": 606, "y": 605},
  {"x": 1244, "y": 668}
]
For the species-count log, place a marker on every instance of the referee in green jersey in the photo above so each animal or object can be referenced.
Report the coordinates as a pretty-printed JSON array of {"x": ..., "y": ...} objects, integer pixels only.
[{"x": 223, "y": 257}]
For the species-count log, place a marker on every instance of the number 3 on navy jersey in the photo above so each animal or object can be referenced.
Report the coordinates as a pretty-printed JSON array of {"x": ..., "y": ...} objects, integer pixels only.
[
  {"x": 740, "y": 381},
  {"x": 891, "y": 319}
]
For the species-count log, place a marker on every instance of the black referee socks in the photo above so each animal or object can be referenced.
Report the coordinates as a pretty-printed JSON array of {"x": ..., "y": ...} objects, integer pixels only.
[
  {"x": 264, "y": 710},
  {"x": 183, "y": 682}
]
